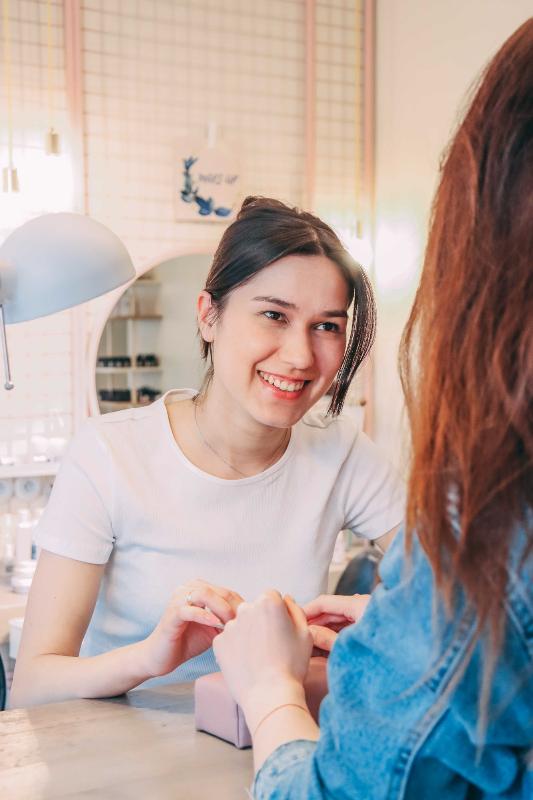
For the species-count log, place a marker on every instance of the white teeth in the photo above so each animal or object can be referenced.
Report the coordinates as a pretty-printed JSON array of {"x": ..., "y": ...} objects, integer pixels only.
[{"x": 285, "y": 386}]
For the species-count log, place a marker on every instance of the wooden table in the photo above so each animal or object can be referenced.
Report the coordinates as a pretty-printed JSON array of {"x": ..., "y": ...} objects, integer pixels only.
[{"x": 141, "y": 745}]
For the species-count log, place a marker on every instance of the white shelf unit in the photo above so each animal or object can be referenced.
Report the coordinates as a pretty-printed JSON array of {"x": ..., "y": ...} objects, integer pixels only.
[
  {"x": 136, "y": 316},
  {"x": 37, "y": 470},
  {"x": 117, "y": 405},
  {"x": 130, "y": 331},
  {"x": 125, "y": 370}
]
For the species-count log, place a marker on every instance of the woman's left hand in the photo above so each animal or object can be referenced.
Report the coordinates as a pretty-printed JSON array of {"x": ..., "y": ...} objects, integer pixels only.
[
  {"x": 330, "y": 613},
  {"x": 264, "y": 654}
]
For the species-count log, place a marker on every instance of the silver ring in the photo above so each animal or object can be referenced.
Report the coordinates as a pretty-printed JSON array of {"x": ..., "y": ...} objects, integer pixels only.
[{"x": 188, "y": 599}]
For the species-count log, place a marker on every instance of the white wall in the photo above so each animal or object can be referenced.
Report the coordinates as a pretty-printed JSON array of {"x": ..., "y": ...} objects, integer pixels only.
[{"x": 428, "y": 54}]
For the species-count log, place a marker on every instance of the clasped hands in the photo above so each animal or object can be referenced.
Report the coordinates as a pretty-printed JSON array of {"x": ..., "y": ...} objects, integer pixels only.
[{"x": 260, "y": 646}]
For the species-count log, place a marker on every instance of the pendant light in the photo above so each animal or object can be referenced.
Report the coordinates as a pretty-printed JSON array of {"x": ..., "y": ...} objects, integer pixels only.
[
  {"x": 10, "y": 181},
  {"x": 52, "y": 143}
]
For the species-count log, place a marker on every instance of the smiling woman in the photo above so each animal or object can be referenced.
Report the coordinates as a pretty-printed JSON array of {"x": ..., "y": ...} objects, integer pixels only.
[
  {"x": 267, "y": 231},
  {"x": 242, "y": 483},
  {"x": 275, "y": 348}
]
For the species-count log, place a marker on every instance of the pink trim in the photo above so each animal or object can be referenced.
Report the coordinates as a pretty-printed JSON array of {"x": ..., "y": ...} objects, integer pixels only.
[
  {"x": 74, "y": 86},
  {"x": 74, "y": 89},
  {"x": 369, "y": 94},
  {"x": 369, "y": 90},
  {"x": 310, "y": 104}
]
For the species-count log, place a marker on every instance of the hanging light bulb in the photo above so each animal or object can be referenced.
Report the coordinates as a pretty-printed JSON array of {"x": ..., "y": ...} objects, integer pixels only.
[
  {"x": 52, "y": 145},
  {"x": 10, "y": 181}
]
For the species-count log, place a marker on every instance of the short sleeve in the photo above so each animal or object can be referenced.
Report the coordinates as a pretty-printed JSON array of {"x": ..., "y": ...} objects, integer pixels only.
[
  {"x": 77, "y": 522},
  {"x": 373, "y": 492}
]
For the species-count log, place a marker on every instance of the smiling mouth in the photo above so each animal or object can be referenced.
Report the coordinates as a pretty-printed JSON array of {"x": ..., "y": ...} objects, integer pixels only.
[{"x": 283, "y": 384}]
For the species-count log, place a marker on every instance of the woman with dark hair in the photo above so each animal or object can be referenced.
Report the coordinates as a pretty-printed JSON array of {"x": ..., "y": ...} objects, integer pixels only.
[
  {"x": 431, "y": 692},
  {"x": 237, "y": 484}
]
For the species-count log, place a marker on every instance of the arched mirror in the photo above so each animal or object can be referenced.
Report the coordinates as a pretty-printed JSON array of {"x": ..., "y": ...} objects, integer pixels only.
[{"x": 147, "y": 342}]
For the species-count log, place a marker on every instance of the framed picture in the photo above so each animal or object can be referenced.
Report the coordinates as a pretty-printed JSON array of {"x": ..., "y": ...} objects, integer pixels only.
[{"x": 208, "y": 184}]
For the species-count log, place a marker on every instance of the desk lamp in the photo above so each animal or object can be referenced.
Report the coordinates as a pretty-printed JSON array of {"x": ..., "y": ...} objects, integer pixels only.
[{"x": 54, "y": 262}]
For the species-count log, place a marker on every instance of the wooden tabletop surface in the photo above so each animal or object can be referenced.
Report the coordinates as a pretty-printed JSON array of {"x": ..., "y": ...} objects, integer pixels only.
[{"x": 142, "y": 745}]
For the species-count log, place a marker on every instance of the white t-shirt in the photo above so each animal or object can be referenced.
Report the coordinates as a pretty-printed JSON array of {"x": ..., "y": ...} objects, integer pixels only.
[{"x": 126, "y": 496}]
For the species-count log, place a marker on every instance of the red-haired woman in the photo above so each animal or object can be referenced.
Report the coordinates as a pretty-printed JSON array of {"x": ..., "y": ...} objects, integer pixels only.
[{"x": 431, "y": 693}]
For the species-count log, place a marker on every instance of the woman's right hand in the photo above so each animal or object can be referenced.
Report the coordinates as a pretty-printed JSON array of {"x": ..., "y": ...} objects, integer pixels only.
[
  {"x": 329, "y": 613},
  {"x": 196, "y": 613}
]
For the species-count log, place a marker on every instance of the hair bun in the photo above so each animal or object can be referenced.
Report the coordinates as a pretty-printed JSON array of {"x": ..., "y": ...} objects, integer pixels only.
[{"x": 254, "y": 203}]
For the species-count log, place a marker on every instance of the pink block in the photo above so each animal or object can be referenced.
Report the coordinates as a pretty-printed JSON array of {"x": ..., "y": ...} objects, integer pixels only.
[{"x": 216, "y": 712}]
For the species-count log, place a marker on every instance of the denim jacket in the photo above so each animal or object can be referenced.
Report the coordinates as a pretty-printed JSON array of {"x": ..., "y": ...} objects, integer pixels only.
[{"x": 401, "y": 717}]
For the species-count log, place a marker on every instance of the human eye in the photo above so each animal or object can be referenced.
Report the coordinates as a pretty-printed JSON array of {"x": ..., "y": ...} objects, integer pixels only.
[
  {"x": 329, "y": 327},
  {"x": 276, "y": 316}
]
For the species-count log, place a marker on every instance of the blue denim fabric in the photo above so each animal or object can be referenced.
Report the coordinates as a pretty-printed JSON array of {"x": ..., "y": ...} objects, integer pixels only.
[{"x": 401, "y": 719}]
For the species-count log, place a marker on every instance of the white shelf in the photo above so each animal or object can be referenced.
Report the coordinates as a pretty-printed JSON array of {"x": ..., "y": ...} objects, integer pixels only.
[
  {"x": 29, "y": 470},
  {"x": 136, "y": 316},
  {"x": 118, "y": 405},
  {"x": 125, "y": 370}
]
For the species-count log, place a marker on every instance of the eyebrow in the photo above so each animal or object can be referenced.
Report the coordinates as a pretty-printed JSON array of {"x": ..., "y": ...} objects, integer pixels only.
[{"x": 276, "y": 301}]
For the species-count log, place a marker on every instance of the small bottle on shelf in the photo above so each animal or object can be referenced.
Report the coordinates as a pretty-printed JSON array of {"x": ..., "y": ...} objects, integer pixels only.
[
  {"x": 24, "y": 535},
  {"x": 7, "y": 542}
]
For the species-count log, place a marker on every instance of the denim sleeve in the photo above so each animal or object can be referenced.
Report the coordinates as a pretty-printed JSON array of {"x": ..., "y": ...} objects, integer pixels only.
[
  {"x": 400, "y": 719},
  {"x": 282, "y": 766}
]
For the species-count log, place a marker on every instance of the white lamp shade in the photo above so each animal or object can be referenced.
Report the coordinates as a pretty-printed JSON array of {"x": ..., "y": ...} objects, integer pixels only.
[{"x": 57, "y": 261}]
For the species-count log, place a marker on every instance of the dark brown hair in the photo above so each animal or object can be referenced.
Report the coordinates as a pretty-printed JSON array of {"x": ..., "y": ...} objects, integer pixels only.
[
  {"x": 267, "y": 230},
  {"x": 467, "y": 350}
]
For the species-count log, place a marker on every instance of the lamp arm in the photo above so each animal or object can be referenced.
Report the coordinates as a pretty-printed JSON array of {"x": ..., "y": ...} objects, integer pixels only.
[{"x": 8, "y": 384}]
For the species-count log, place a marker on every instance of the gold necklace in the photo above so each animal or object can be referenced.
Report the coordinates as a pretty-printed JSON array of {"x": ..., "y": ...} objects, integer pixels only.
[{"x": 227, "y": 463}]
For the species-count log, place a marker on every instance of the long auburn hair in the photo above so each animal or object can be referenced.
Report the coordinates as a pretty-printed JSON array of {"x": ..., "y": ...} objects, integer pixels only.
[{"x": 466, "y": 358}]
